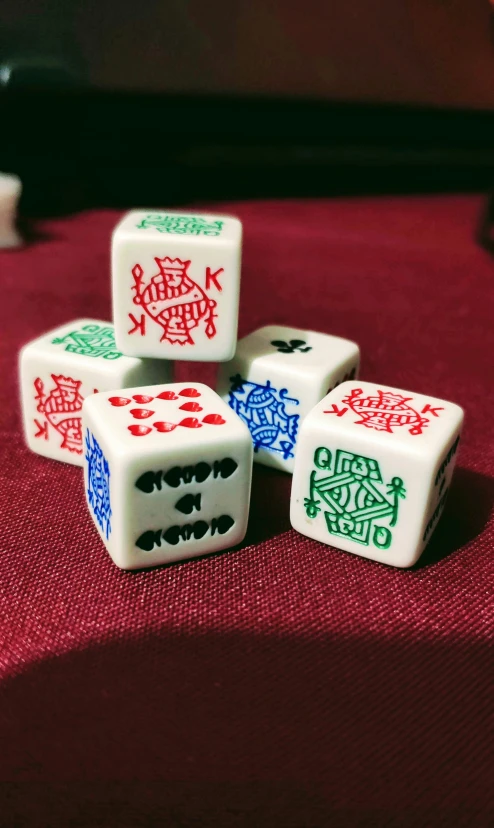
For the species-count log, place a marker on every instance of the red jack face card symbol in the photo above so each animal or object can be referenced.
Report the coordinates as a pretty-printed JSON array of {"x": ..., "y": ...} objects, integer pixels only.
[
  {"x": 386, "y": 411},
  {"x": 173, "y": 300},
  {"x": 59, "y": 406}
]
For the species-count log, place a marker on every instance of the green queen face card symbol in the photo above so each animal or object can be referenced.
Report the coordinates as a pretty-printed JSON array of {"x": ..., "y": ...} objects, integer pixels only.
[
  {"x": 357, "y": 503},
  {"x": 91, "y": 340},
  {"x": 187, "y": 225}
]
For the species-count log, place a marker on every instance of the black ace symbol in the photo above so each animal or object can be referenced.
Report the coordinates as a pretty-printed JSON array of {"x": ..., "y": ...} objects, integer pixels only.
[{"x": 291, "y": 346}]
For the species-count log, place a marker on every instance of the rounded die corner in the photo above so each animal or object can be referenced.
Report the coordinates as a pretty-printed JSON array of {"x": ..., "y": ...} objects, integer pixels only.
[
  {"x": 460, "y": 415},
  {"x": 125, "y": 562},
  {"x": 88, "y": 404},
  {"x": 227, "y": 356},
  {"x": 118, "y": 233},
  {"x": 409, "y": 561},
  {"x": 23, "y": 356}
]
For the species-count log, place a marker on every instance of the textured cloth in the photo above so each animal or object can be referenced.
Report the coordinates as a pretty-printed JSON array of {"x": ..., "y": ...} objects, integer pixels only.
[{"x": 285, "y": 683}]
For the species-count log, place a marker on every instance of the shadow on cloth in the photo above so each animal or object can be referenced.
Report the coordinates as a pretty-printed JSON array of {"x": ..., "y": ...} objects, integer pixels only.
[
  {"x": 468, "y": 508},
  {"x": 467, "y": 511},
  {"x": 238, "y": 730}
]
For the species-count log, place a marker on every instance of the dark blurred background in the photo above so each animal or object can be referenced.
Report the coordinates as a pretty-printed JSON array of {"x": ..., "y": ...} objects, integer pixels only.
[{"x": 171, "y": 101}]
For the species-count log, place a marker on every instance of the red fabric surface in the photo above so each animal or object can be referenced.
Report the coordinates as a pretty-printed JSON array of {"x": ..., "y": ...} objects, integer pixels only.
[{"x": 285, "y": 683}]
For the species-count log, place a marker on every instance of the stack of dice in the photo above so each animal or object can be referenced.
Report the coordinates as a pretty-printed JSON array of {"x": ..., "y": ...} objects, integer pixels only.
[{"x": 168, "y": 465}]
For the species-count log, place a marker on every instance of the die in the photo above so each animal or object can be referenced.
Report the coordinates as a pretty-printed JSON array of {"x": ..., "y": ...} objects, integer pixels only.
[
  {"x": 373, "y": 470},
  {"x": 276, "y": 377},
  {"x": 167, "y": 473},
  {"x": 59, "y": 369},
  {"x": 176, "y": 281}
]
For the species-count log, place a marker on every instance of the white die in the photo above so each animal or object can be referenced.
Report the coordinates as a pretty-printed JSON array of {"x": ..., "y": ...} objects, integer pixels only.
[
  {"x": 276, "y": 377},
  {"x": 167, "y": 473},
  {"x": 60, "y": 369},
  {"x": 176, "y": 282},
  {"x": 373, "y": 469}
]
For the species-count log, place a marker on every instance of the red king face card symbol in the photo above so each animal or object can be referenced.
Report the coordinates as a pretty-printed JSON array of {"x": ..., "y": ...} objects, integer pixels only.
[
  {"x": 173, "y": 300},
  {"x": 385, "y": 411},
  {"x": 62, "y": 407}
]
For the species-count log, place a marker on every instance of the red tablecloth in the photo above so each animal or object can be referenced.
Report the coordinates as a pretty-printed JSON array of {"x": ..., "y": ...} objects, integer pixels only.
[{"x": 286, "y": 683}]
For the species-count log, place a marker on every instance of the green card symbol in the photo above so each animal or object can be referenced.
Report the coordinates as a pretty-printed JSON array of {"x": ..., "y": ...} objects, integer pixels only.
[
  {"x": 356, "y": 502},
  {"x": 91, "y": 340},
  {"x": 181, "y": 225}
]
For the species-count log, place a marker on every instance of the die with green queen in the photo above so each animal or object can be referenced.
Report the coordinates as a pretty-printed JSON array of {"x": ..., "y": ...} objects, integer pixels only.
[{"x": 373, "y": 470}]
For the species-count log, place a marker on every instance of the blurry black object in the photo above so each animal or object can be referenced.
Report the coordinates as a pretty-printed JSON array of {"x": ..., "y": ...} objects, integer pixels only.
[
  {"x": 77, "y": 148},
  {"x": 39, "y": 55}
]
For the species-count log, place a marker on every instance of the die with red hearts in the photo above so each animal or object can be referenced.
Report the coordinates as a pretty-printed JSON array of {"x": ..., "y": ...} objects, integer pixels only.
[{"x": 142, "y": 434}]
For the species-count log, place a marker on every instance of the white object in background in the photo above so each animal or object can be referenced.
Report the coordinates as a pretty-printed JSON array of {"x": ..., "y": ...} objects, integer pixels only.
[
  {"x": 60, "y": 369},
  {"x": 276, "y": 377},
  {"x": 167, "y": 473},
  {"x": 10, "y": 193},
  {"x": 176, "y": 281},
  {"x": 373, "y": 469}
]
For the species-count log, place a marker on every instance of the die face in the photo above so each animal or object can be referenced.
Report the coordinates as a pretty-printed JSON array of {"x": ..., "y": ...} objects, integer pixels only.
[
  {"x": 52, "y": 397},
  {"x": 174, "y": 492},
  {"x": 349, "y": 495},
  {"x": 295, "y": 351},
  {"x": 440, "y": 484},
  {"x": 59, "y": 370},
  {"x": 169, "y": 223},
  {"x": 414, "y": 422},
  {"x": 91, "y": 339},
  {"x": 193, "y": 502},
  {"x": 277, "y": 376},
  {"x": 144, "y": 420},
  {"x": 372, "y": 490},
  {"x": 176, "y": 280},
  {"x": 103, "y": 474}
]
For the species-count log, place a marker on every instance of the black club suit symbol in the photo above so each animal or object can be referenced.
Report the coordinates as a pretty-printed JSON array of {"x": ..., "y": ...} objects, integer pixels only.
[{"x": 291, "y": 346}]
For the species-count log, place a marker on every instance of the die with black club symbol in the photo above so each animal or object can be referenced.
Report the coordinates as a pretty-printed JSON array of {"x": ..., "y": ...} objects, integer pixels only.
[
  {"x": 373, "y": 470},
  {"x": 167, "y": 473},
  {"x": 276, "y": 377}
]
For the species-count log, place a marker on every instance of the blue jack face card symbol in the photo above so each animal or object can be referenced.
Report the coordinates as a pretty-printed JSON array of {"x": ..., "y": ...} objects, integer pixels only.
[{"x": 268, "y": 414}]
